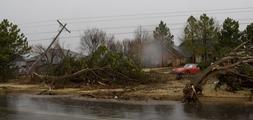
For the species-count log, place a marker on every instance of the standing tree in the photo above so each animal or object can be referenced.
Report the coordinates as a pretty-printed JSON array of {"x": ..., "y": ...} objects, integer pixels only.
[
  {"x": 229, "y": 36},
  {"x": 12, "y": 44},
  {"x": 126, "y": 48},
  {"x": 201, "y": 37},
  {"x": 115, "y": 46},
  {"x": 164, "y": 37},
  {"x": 208, "y": 31},
  {"x": 92, "y": 39},
  {"x": 248, "y": 33},
  {"x": 162, "y": 33},
  {"x": 141, "y": 35},
  {"x": 191, "y": 38}
]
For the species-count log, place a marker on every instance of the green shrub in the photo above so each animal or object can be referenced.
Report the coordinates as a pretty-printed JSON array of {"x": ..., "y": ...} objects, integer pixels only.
[
  {"x": 118, "y": 67},
  {"x": 246, "y": 69},
  {"x": 202, "y": 65},
  {"x": 117, "y": 61}
]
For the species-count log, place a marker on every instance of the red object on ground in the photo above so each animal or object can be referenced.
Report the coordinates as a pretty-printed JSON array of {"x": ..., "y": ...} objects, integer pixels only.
[{"x": 187, "y": 69}]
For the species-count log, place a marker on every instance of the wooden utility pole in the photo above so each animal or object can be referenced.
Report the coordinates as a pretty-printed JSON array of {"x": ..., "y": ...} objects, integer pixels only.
[{"x": 31, "y": 69}]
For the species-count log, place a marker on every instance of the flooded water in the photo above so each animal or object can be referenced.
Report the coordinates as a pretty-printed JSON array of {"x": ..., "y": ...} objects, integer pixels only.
[{"x": 26, "y": 107}]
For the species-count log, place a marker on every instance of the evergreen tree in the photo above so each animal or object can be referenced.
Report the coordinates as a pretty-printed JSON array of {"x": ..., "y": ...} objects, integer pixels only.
[
  {"x": 162, "y": 33},
  {"x": 229, "y": 36},
  {"x": 191, "y": 38},
  {"x": 12, "y": 43},
  {"x": 164, "y": 37},
  {"x": 248, "y": 33},
  {"x": 208, "y": 32},
  {"x": 201, "y": 37}
]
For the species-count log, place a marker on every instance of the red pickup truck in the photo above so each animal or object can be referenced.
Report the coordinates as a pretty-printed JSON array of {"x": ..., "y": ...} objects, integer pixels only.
[{"x": 186, "y": 69}]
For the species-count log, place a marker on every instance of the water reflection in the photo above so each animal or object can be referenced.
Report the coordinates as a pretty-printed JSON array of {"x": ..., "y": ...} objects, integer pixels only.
[
  {"x": 223, "y": 111},
  {"x": 4, "y": 112},
  {"x": 26, "y": 107}
]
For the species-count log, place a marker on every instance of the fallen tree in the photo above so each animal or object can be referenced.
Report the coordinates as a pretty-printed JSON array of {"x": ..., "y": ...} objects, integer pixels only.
[
  {"x": 103, "y": 67},
  {"x": 229, "y": 64},
  {"x": 53, "y": 80}
]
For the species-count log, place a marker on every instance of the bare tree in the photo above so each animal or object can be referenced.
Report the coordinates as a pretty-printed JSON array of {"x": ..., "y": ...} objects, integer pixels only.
[
  {"x": 52, "y": 54},
  {"x": 119, "y": 46},
  {"x": 141, "y": 34},
  {"x": 136, "y": 46},
  {"x": 125, "y": 45},
  {"x": 92, "y": 39},
  {"x": 113, "y": 45},
  {"x": 40, "y": 49}
]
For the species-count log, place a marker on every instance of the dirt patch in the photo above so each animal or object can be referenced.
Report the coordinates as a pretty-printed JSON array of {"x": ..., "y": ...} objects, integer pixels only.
[
  {"x": 165, "y": 89},
  {"x": 170, "y": 90}
]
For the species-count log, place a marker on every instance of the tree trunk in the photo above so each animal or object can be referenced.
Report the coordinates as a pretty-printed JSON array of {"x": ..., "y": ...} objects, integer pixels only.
[{"x": 235, "y": 57}]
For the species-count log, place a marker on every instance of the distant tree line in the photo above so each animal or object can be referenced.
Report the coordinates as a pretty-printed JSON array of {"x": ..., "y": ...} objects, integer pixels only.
[
  {"x": 207, "y": 41},
  {"x": 203, "y": 37},
  {"x": 133, "y": 48}
]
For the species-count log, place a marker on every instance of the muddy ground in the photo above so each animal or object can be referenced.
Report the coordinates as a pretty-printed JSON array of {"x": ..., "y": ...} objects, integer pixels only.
[{"x": 168, "y": 89}]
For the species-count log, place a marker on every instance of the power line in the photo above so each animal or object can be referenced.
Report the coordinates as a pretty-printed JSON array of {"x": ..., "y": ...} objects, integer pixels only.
[
  {"x": 79, "y": 36},
  {"x": 138, "y": 17},
  {"x": 107, "y": 28},
  {"x": 118, "y": 27},
  {"x": 155, "y": 16},
  {"x": 79, "y": 30},
  {"x": 138, "y": 14},
  {"x": 119, "y": 33}
]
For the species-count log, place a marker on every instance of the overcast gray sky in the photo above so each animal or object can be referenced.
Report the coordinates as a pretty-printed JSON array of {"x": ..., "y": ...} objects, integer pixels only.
[{"x": 37, "y": 18}]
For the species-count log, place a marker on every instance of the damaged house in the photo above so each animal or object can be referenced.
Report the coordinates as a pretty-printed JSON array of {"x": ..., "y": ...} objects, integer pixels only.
[
  {"x": 54, "y": 56},
  {"x": 156, "y": 56}
]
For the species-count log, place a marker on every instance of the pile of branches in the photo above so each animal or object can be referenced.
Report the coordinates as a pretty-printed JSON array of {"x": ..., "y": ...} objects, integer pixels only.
[
  {"x": 236, "y": 79},
  {"x": 102, "y": 67},
  {"x": 228, "y": 69}
]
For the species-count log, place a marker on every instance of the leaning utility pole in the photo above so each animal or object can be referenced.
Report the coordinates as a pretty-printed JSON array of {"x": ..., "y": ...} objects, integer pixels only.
[{"x": 31, "y": 69}]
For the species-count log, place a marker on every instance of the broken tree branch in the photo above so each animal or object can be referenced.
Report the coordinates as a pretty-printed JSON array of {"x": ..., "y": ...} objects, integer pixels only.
[
  {"x": 57, "y": 78},
  {"x": 239, "y": 55}
]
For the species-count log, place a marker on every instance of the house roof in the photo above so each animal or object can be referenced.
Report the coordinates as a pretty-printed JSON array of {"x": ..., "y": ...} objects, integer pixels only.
[
  {"x": 30, "y": 56},
  {"x": 62, "y": 52},
  {"x": 173, "y": 51},
  {"x": 181, "y": 50}
]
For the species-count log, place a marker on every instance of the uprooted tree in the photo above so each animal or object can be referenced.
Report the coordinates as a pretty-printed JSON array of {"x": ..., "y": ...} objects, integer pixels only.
[{"x": 231, "y": 65}]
